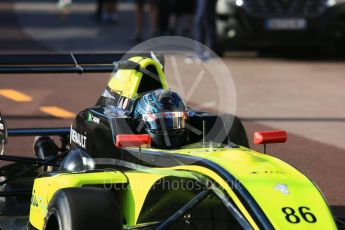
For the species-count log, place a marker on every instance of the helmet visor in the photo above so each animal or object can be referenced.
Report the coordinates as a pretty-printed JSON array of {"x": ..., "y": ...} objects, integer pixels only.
[{"x": 165, "y": 121}]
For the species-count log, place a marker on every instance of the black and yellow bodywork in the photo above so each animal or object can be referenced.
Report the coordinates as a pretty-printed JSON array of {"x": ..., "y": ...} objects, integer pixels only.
[{"x": 242, "y": 179}]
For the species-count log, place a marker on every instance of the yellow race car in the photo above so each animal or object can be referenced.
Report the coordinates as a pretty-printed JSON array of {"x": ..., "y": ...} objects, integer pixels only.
[{"x": 133, "y": 161}]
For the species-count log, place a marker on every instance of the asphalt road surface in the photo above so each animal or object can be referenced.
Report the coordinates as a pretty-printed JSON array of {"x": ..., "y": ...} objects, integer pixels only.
[{"x": 305, "y": 96}]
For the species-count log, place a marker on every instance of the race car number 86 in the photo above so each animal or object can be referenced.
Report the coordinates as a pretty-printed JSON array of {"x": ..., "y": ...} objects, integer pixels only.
[{"x": 304, "y": 213}]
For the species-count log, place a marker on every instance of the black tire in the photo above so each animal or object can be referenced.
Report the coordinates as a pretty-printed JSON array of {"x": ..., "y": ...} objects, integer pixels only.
[{"x": 83, "y": 209}]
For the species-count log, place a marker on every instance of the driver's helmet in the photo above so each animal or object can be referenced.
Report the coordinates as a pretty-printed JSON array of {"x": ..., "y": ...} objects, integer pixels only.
[{"x": 163, "y": 114}]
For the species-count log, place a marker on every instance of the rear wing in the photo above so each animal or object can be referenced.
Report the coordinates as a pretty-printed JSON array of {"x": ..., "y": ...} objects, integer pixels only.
[
  {"x": 78, "y": 63},
  {"x": 57, "y": 64},
  {"x": 65, "y": 63}
]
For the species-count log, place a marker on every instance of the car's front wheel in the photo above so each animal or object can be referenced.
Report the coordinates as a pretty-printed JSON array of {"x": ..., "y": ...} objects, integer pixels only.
[{"x": 83, "y": 209}]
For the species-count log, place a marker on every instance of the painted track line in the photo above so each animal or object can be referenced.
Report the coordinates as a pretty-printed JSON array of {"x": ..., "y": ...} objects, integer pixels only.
[
  {"x": 57, "y": 112},
  {"x": 15, "y": 95}
]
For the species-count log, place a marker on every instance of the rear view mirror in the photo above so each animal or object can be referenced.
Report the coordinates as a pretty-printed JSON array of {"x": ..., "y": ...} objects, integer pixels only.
[
  {"x": 3, "y": 130},
  {"x": 133, "y": 140},
  {"x": 270, "y": 137}
]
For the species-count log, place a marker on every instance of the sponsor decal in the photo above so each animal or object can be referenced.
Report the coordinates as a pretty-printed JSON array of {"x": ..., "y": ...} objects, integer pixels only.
[
  {"x": 38, "y": 202},
  {"x": 283, "y": 188},
  {"x": 34, "y": 201},
  {"x": 78, "y": 138},
  {"x": 93, "y": 118},
  {"x": 267, "y": 172}
]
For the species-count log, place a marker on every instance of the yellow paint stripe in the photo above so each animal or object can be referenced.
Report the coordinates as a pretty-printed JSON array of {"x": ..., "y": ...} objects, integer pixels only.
[
  {"x": 15, "y": 95},
  {"x": 57, "y": 112}
]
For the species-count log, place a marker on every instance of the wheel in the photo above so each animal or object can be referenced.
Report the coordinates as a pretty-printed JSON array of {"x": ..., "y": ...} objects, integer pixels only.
[
  {"x": 83, "y": 209},
  {"x": 16, "y": 205}
]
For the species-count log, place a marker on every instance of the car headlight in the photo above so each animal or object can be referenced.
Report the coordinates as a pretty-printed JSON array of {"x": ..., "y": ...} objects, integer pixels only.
[
  {"x": 334, "y": 2},
  {"x": 226, "y": 7},
  {"x": 238, "y": 3},
  {"x": 235, "y": 2}
]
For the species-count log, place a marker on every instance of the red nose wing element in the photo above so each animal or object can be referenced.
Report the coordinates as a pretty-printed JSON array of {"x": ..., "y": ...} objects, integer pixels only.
[
  {"x": 266, "y": 137},
  {"x": 133, "y": 140}
]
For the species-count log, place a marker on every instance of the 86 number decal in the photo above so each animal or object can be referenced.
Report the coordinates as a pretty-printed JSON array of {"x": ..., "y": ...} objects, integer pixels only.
[{"x": 295, "y": 217}]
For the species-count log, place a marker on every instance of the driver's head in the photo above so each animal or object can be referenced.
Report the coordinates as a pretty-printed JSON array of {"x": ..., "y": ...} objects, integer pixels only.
[{"x": 163, "y": 114}]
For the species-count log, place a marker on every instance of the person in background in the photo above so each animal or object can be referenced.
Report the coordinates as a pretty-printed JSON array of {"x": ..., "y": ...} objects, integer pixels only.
[
  {"x": 164, "y": 12},
  {"x": 181, "y": 19},
  {"x": 139, "y": 18},
  {"x": 106, "y": 11},
  {"x": 205, "y": 25}
]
